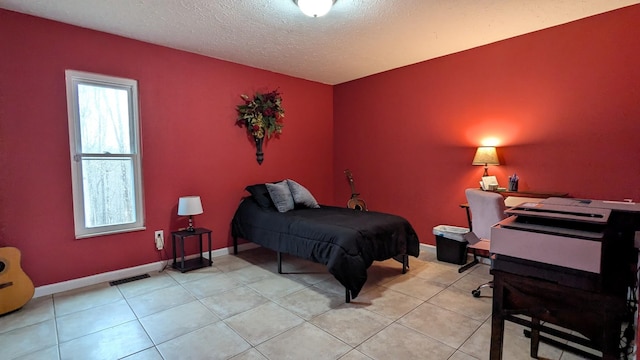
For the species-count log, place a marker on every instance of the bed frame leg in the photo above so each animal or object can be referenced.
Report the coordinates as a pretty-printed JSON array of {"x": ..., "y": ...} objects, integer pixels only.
[
  {"x": 279, "y": 262},
  {"x": 405, "y": 263},
  {"x": 348, "y": 296},
  {"x": 235, "y": 245}
]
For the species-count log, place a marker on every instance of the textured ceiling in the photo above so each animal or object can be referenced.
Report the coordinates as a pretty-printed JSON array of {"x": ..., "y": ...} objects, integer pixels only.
[{"x": 357, "y": 38}]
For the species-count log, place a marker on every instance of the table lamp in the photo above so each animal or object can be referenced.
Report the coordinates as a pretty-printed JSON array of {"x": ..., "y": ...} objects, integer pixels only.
[
  {"x": 189, "y": 206},
  {"x": 486, "y": 155}
]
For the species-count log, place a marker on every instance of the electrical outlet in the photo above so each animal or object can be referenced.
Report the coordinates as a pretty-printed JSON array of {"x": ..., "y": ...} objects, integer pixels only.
[{"x": 159, "y": 239}]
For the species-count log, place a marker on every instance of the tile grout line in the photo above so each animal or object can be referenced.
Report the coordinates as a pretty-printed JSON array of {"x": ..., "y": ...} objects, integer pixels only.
[{"x": 274, "y": 301}]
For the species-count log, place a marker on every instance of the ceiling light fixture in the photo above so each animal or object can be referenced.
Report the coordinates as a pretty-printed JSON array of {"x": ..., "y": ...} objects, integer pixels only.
[{"x": 315, "y": 8}]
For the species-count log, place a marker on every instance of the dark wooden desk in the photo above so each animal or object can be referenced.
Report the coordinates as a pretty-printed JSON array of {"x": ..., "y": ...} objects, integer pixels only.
[
  {"x": 533, "y": 194},
  {"x": 597, "y": 316},
  {"x": 595, "y": 305}
]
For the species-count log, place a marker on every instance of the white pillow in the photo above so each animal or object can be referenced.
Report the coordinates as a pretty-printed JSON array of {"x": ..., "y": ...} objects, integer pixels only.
[
  {"x": 281, "y": 196},
  {"x": 302, "y": 196}
]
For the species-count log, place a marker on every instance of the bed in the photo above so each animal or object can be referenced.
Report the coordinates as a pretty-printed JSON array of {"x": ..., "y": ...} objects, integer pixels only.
[{"x": 347, "y": 241}]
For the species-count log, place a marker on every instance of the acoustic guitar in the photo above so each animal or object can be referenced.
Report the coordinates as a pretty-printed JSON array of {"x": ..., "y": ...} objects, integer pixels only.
[
  {"x": 16, "y": 289},
  {"x": 355, "y": 202}
]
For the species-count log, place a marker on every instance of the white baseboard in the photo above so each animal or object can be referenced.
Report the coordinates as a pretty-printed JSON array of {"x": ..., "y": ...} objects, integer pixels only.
[
  {"x": 125, "y": 273},
  {"x": 142, "y": 269},
  {"x": 427, "y": 247},
  {"x": 98, "y": 278}
]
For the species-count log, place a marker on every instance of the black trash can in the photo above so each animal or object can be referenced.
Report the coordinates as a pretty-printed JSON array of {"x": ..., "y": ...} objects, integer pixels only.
[{"x": 451, "y": 246}]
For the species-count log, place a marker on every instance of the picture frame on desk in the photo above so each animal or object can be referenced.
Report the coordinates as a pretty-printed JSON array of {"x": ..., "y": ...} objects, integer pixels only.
[{"x": 489, "y": 183}]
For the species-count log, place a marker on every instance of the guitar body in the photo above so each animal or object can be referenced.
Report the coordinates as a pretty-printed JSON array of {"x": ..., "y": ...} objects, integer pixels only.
[
  {"x": 355, "y": 202},
  {"x": 16, "y": 289}
]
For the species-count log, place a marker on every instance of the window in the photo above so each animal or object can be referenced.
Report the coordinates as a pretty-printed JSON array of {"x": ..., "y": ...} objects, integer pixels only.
[{"x": 105, "y": 154}]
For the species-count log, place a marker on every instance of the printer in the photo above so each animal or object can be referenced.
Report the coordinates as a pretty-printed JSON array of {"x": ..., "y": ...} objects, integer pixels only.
[{"x": 583, "y": 243}]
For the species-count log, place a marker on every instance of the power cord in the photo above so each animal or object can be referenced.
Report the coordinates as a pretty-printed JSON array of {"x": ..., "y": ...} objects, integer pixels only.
[{"x": 162, "y": 258}]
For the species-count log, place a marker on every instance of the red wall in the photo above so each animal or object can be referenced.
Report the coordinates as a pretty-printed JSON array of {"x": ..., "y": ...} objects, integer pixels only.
[
  {"x": 564, "y": 102},
  {"x": 190, "y": 143}
]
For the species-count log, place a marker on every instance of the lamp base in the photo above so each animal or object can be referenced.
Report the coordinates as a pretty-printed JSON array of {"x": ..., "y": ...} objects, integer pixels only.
[{"x": 190, "y": 227}]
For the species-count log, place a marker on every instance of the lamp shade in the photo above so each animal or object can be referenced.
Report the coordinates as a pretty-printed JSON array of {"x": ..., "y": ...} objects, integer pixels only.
[
  {"x": 486, "y": 155},
  {"x": 189, "y": 205},
  {"x": 315, "y": 8}
]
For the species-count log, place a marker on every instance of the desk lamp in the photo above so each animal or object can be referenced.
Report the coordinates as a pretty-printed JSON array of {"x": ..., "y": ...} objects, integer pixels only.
[
  {"x": 189, "y": 206},
  {"x": 486, "y": 155}
]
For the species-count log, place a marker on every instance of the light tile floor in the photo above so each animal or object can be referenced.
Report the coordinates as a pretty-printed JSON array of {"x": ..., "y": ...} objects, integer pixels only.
[{"x": 241, "y": 308}]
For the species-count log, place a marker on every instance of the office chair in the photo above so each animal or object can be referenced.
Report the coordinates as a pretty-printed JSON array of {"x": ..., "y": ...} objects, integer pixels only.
[{"x": 487, "y": 208}]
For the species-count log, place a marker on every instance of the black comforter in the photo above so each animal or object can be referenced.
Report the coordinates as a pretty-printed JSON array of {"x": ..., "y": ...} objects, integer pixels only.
[{"x": 346, "y": 240}]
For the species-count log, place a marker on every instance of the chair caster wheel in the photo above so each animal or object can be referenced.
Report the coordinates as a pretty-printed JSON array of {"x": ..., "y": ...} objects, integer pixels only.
[{"x": 475, "y": 293}]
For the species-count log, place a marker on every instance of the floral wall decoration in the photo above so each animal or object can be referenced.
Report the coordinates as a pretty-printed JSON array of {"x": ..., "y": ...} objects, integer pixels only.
[{"x": 262, "y": 116}]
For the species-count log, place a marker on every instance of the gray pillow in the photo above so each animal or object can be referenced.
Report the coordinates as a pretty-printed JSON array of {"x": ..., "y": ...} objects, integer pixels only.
[
  {"x": 281, "y": 196},
  {"x": 302, "y": 196}
]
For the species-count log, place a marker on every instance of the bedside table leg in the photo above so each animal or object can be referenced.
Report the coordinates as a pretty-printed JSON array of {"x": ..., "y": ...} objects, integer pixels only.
[
  {"x": 200, "y": 253},
  {"x": 173, "y": 246},
  {"x": 210, "y": 259},
  {"x": 182, "y": 253}
]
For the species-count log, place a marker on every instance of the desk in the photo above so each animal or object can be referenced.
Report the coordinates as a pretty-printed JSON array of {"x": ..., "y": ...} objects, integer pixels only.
[
  {"x": 593, "y": 304},
  {"x": 533, "y": 194},
  {"x": 598, "y": 316}
]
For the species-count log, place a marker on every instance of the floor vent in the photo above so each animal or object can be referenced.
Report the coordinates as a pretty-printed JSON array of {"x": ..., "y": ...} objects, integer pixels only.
[{"x": 129, "y": 279}]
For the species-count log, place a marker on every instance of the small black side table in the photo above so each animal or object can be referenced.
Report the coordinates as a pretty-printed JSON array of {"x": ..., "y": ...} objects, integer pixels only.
[{"x": 191, "y": 264}]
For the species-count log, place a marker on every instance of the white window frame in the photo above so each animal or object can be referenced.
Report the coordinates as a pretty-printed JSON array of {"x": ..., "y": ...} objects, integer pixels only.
[{"x": 73, "y": 79}]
